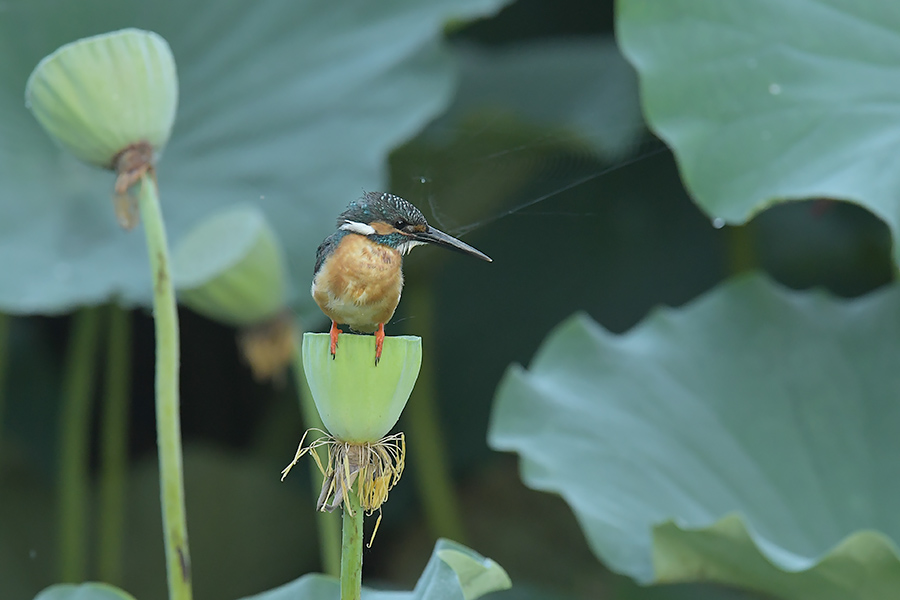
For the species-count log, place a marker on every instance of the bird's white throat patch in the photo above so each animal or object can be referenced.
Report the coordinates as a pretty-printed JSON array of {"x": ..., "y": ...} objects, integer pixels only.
[
  {"x": 360, "y": 228},
  {"x": 406, "y": 246}
]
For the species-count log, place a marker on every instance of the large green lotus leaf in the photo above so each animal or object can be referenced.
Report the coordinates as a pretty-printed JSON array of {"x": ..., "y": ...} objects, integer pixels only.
[
  {"x": 454, "y": 572},
  {"x": 772, "y": 100},
  {"x": 292, "y": 105},
  {"x": 748, "y": 438},
  {"x": 863, "y": 565},
  {"x": 83, "y": 591},
  {"x": 684, "y": 591}
]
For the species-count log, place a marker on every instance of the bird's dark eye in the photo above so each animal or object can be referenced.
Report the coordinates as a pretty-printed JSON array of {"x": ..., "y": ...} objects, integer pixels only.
[{"x": 400, "y": 224}]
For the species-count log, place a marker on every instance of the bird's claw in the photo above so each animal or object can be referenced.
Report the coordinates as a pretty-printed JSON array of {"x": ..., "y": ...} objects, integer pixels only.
[
  {"x": 334, "y": 333},
  {"x": 379, "y": 342}
]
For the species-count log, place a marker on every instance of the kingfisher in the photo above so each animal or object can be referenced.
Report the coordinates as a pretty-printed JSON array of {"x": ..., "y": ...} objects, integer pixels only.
[{"x": 358, "y": 276}]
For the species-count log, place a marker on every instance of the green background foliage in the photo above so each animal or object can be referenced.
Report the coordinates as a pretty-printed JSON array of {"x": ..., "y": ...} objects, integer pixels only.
[{"x": 521, "y": 130}]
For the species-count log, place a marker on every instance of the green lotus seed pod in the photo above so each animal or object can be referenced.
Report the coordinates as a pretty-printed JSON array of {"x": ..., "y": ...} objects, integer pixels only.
[
  {"x": 358, "y": 401},
  {"x": 231, "y": 268},
  {"x": 99, "y": 95}
]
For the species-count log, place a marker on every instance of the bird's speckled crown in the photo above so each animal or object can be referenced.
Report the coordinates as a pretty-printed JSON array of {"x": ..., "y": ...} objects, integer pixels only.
[{"x": 381, "y": 206}]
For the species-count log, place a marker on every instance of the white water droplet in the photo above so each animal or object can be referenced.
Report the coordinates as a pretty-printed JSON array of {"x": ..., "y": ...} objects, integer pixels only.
[
  {"x": 774, "y": 89},
  {"x": 422, "y": 180},
  {"x": 718, "y": 223},
  {"x": 262, "y": 197}
]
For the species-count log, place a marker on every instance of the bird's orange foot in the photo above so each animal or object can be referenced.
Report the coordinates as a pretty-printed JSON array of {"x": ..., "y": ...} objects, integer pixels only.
[
  {"x": 379, "y": 342},
  {"x": 335, "y": 332}
]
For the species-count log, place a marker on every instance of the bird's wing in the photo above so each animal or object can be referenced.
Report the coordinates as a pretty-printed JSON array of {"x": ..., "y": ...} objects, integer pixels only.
[{"x": 325, "y": 248}]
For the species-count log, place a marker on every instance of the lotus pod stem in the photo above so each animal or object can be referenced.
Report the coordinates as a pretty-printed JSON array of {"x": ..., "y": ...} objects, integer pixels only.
[
  {"x": 168, "y": 421},
  {"x": 351, "y": 549}
]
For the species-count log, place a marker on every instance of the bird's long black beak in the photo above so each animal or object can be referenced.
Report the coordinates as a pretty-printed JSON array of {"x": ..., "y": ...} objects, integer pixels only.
[{"x": 439, "y": 238}]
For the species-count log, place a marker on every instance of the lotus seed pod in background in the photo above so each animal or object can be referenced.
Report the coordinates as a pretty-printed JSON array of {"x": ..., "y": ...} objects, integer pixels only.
[
  {"x": 99, "y": 95},
  {"x": 231, "y": 268},
  {"x": 358, "y": 401}
]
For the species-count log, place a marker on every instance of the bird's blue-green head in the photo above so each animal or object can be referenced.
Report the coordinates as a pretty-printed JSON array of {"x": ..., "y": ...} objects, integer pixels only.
[{"x": 392, "y": 221}]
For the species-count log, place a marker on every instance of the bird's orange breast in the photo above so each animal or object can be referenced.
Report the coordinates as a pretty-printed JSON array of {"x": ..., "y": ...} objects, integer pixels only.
[{"x": 360, "y": 283}]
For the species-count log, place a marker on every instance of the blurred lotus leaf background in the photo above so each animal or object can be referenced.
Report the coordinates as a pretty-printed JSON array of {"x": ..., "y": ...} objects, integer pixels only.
[{"x": 695, "y": 431}]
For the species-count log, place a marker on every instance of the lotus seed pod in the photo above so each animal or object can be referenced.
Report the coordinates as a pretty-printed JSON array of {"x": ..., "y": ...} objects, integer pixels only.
[
  {"x": 358, "y": 401},
  {"x": 99, "y": 95},
  {"x": 231, "y": 268}
]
